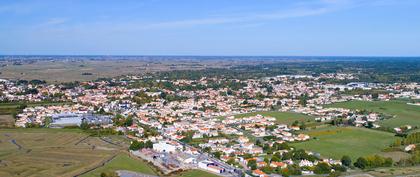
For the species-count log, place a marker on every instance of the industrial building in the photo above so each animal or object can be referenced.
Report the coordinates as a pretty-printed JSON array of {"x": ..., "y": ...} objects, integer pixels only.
[{"x": 73, "y": 119}]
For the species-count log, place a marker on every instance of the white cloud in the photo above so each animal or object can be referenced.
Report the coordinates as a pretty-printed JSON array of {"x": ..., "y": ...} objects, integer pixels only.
[
  {"x": 296, "y": 10},
  {"x": 300, "y": 10},
  {"x": 54, "y": 21}
]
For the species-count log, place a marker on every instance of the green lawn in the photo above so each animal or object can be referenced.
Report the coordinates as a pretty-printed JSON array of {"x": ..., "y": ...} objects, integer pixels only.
[
  {"x": 355, "y": 142},
  {"x": 405, "y": 114},
  {"x": 282, "y": 117},
  {"x": 122, "y": 162}
]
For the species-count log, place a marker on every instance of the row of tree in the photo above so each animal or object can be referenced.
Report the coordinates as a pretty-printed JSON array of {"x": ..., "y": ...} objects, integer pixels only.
[
  {"x": 136, "y": 145},
  {"x": 373, "y": 162}
]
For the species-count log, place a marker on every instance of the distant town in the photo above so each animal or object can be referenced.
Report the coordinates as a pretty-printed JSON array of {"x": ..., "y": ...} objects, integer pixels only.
[{"x": 223, "y": 125}]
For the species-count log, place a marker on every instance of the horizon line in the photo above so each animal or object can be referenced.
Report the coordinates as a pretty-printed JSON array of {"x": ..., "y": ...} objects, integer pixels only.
[{"x": 135, "y": 55}]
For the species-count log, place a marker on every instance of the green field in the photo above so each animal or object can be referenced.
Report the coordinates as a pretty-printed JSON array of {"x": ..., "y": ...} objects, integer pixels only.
[
  {"x": 68, "y": 152},
  {"x": 355, "y": 142},
  {"x": 196, "y": 173},
  {"x": 122, "y": 162},
  {"x": 51, "y": 152},
  {"x": 405, "y": 114},
  {"x": 281, "y": 117}
]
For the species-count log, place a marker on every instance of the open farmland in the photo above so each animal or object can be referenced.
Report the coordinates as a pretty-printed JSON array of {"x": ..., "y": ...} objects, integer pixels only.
[
  {"x": 6, "y": 121},
  {"x": 281, "y": 117},
  {"x": 66, "y": 69},
  {"x": 122, "y": 162},
  {"x": 355, "y": 142},
  {"x": 50, "y": 152},
  {"x": 405, "y": 114}
]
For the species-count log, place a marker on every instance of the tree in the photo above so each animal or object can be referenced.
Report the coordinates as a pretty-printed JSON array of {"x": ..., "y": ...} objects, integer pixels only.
[
  {"x": 217, "y": 154},
  {"x": 361, "y": 163},
  {"x": 148, "y": 144},
  {"x": 84, "y": 125},
  {"x": 375, "y": 96},
  {"x": 267, "y": 169},
  {"x": 302, "y": 126},
  {"x": 338, "y": 167},
  {"x": 276, "y": 159},
  {"x": 128, "y": 121},
  {"x": 369, "y": 125},
  {"x": 294, "y": 169},
  {"x": 346, "y": 160},
  {"x": 258, "y": 142},
  {"x": 231, "y": 161},
  {"x": 266, "y": 159},
  {"x": 322, "y": 168},
  {"x": 303, "y": 100},
  {"x": 135, "y": 145},
  {"x": 252, "y": 164},
  {"x": 22, "y": 106}
]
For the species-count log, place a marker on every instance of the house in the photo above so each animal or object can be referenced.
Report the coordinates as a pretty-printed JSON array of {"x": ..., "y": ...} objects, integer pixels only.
[
  {"x": 210, "y": 166},
  {"x": 410, "y": 147},
  {"x": 302, "y": 137},
  {"x": 259, "y": 173},
  {"x": 306, "y": 163},
  {"x": 261, "y": 164},
  {"x": 278, "y": 164},
  {"x": 243, "y": 140},
  {"x": 164, "y": 147}
]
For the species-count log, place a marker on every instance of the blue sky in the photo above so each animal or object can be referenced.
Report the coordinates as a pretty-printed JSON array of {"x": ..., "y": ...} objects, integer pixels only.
[{"x": 211, "y": 27}]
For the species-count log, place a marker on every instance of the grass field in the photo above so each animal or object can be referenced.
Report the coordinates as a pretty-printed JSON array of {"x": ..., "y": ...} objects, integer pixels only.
[
  {"x": 196, "y": 173},
  {"x": 281, "y": 117},
  {"x": 6, "y": 121},
  {"x": 67, "y": 152},
  {"x": 50, "y": 152},
  {"x": 355, "y": 142},
  {"x": 405, "y": 114},
  {"x": 122, "y": 162}
]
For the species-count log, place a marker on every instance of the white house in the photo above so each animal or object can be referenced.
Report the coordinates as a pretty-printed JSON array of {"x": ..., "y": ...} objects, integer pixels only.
[
  {"x": 163, "y": 147},
  {"x": 210, "y": 166}
]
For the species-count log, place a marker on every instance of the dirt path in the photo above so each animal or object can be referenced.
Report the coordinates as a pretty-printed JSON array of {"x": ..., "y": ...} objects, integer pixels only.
[
  {"x": 97, "y": 166},
  {"x": 13, "y": 141}
]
